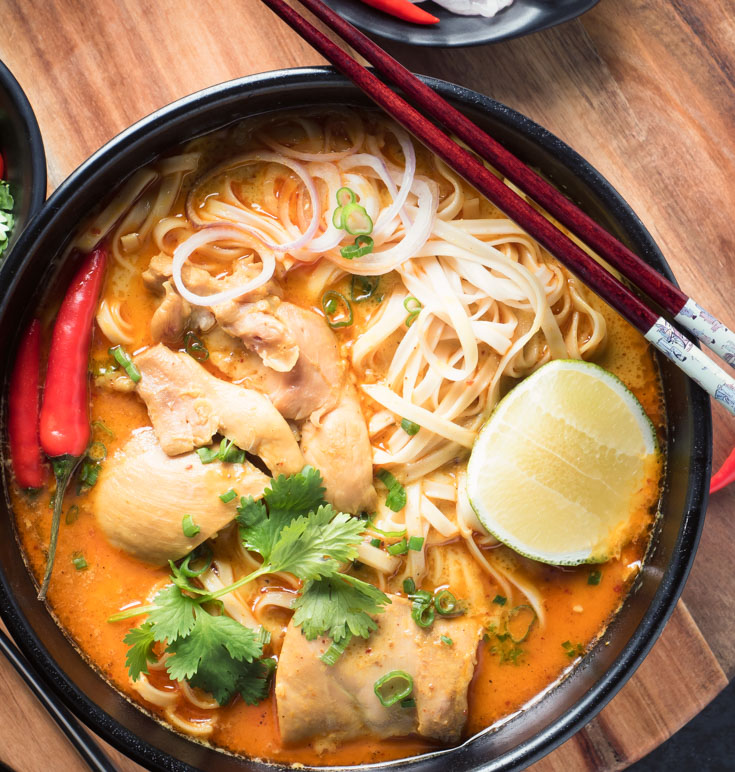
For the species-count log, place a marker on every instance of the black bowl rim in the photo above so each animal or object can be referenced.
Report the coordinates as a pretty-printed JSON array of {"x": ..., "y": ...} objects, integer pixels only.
[
  {"x": 9, "y": 82},
  {"x": 677, "y": 570},
  {"x": 390, "y": 28}
]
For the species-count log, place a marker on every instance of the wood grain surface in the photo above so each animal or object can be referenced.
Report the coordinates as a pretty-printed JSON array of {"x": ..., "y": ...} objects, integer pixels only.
[{"x": 644, "y": 89}]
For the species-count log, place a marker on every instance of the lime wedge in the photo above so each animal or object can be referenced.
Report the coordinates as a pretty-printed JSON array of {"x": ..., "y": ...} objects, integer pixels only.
[{"x": 566, "y": 469}]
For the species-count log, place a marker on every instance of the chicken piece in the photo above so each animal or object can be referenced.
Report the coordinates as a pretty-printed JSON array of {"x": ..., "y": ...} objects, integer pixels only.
[
  {"x": 339, "y": 447},
  {"x": 337, "y": 702},
  {"x": 142, "y": 496},
  {"x": 262, "y": 332},
  {"x": 250, "y": 318},
  {"x": 335, "y": 438},
  {"x": 187, "y": 406},
  {"x": 171, "y": 318}
]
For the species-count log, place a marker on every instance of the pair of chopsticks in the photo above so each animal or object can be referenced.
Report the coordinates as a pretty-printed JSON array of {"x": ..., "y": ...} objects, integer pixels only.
[{"x": 656, "y": 329}]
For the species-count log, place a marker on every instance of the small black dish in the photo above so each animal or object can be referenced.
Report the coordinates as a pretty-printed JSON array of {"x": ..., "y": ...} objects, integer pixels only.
[
  {"x": 454, "y": 31},
  {"x": 570, "y": 704},
  {"x": 22, "y": 147}
]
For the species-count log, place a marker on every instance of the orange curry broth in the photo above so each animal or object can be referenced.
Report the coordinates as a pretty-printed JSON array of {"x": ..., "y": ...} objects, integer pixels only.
[{"x": 82, "y": 601}]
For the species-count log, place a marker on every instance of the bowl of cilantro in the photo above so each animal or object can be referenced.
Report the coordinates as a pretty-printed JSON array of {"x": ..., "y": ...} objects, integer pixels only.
[{"x": 22, "y": 162}]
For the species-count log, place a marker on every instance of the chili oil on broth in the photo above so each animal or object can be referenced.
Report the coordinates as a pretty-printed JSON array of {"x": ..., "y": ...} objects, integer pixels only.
[{"x": 508, "y": 674}]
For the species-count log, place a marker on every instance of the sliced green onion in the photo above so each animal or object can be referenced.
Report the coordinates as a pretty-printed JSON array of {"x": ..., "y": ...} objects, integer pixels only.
[
  {"x": 189, "y": 527},
  {"x": 227, "y": 497},
  {"x": 409, "y": 427},
  {"x": 393, "y": 687},
  {"x": 413, "y": 306},
  {"x": 376, "y": 542},
  {"x": 595, "y": 577},
  {"x": 97, "y": 452},
  {"x": 447, "y": 640},
  {"x": 356, "y": 221},
  {"x": 363, "y": 246},
  {"x": 501, "y": 600},
  {"x": 79, "y": 562},
  {"x": 415, "y": 543},
  {"x": 336, "y": 650},
  {"x": 445, "y": 603},
  {"x": 195, "y": 347},
  {"x": 363, "y": 287},
  {"x": 230, "y": 453},
  {"x": 346, "y": 196},
  {"x": 333, "y": 303},
  {"x": 409, "y": 702},
  {"x": 399, "y": 548},
  {"x": 409, "y": 586},
  {"x": 122, "y": 357},
  {"x": 103, "y": 428},
  {"x": 204, "y": 552},
  {"x": 387, "y": 534},
  {"x": 396, "y": 499},
  {"x": 71, "y": 514},
  {"x": 421, "y": 596},
  {"x": 330, "y": 306},
  {"x": 207, "y": 455},
  {"x": 422, "y": 613},
  {"x": 519, "y": 623},
  {"x": 90, "y": 471}
]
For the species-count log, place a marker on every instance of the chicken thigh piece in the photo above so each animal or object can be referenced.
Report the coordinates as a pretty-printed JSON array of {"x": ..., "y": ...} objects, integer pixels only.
[
  {"x": 188, "y": 406},
  {"x": 142, "y": 496},
  {"x": 338, "y": 702}
]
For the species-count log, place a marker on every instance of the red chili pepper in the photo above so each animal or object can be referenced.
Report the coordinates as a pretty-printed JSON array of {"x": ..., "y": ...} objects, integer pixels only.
[
  {"x": 2, "y": 165},
  {"x": 23, "y": 404},
  {"x": 64, "y": 428},
  {"x": 724, "y": 475},
  {"x": 403, "y": 9}
]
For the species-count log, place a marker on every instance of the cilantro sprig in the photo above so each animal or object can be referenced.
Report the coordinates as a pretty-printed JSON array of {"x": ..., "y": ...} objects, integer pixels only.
[{"x": 295, "y": 530}]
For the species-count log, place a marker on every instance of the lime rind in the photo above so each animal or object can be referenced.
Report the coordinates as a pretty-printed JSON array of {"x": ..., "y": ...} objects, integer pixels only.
[{"x": 643, "y": 445}]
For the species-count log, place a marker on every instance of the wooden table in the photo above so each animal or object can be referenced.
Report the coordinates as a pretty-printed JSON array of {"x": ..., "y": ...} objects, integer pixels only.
[{"x": 645, "y": 89}]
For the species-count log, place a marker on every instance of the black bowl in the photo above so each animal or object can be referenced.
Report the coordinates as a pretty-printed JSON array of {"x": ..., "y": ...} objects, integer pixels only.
[
  {"x": 549, "y": 721},
  {"x": 25, "y": 160},
  {"x": 521, "y": 18}
]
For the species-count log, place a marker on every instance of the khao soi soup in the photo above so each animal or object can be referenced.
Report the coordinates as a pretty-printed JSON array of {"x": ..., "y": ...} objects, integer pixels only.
[{"x": 271, "y": 538}]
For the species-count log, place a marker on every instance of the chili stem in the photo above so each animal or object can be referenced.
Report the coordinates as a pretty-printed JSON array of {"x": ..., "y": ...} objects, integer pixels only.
[{"x": 64, "y": 467}]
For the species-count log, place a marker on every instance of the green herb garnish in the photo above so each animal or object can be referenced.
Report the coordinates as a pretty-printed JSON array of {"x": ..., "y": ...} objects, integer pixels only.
[
  {"x": 79, "y": 562},
  {"x": 595, "y": 577},
  {"x": 228, "y": 496},
  {"x": 122, "y": 357},
  {"x": 396, "y": 499},
  {"x": 409, "y": 427},
  {"x": 393, "y": 687},
  {"x": 189, "y": 527},
  {"x": 337, "y": 309}
]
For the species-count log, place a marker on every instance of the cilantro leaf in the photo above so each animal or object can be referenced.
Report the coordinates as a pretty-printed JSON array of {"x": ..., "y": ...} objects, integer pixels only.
[
  {"x": 173, "y": 616},
  {"x": 287, "y": 498},
  {"x": 211, "y": 642},
  {"x": 296, "y": 494},
  {"x": 314, "y": 546},
  {"x": 141, "y": 640},
  {"x": 223, "y": 677},
  {"x": 257, "y": 531},
  {"x": 336, "y": 605}
]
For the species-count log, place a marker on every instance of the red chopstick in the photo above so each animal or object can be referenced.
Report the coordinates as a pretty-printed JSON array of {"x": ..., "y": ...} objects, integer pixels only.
[
  {"x": 686, "y": 311},
  {"x": 656, "y": 329}
]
